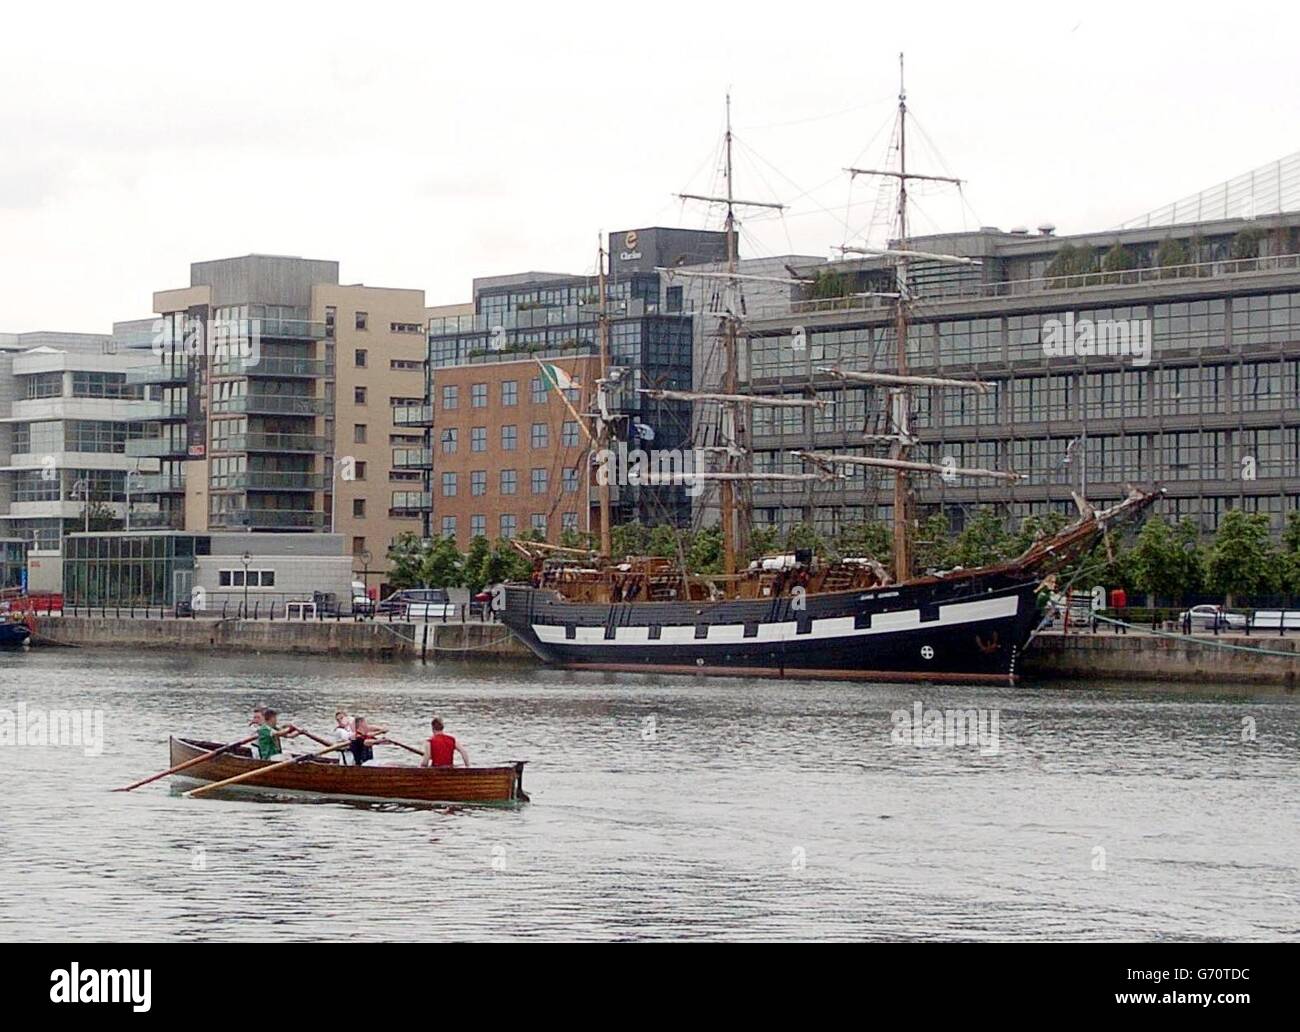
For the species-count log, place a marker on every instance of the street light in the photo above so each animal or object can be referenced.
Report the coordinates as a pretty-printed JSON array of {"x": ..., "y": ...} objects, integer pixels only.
[
  {"x": 83, "y": 483},
  {"x": 365, "y": 570},
  {"x": 246, "y": 558},
  {"x": 129, "y": 474}
]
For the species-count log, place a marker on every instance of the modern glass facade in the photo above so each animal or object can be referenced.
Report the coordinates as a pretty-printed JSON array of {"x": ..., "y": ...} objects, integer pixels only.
[
  {"x": 1205, "y": 401},
  {"x": 13, "y": 562},
  {"x": 130, "y": 569}
]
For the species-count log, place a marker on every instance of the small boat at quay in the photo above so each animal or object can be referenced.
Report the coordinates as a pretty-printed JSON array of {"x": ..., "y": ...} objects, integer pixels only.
[
  {"x": 325, "y": 778},
  {"x": 13, "y": 634}
]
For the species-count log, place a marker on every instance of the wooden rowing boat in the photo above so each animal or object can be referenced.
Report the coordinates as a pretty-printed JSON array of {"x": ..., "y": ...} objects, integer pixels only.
[{"x": 326, "y": 778}]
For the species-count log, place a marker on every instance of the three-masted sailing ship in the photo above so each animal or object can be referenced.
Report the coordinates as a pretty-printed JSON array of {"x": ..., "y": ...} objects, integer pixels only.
[{"x": 798, "y": 614}]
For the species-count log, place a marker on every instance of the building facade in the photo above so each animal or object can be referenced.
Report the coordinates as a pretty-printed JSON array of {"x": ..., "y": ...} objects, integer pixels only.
[
  {"x": 509, "y": 452},
  {"x": 1162, "y": 355},
  {"x": 69, "y": 414}
]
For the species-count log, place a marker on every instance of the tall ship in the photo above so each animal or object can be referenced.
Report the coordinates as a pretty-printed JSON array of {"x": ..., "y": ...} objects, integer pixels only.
[{"x": 797, "y": 614}]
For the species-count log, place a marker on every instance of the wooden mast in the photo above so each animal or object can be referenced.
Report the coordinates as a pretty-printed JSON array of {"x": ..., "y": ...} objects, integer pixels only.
[
  {"x": 903, "y": 399},
  {"x": 602, "y": 427}
]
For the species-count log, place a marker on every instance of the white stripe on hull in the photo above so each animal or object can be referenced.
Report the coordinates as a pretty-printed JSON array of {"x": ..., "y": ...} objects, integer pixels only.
[{"x": 950, "y": 615}]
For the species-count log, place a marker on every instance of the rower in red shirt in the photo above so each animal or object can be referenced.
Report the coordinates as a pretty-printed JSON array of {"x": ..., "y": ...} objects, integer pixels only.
[{"x": 439, "y": 748}]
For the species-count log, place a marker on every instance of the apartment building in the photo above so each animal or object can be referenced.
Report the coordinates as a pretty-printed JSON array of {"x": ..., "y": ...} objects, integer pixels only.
[
  {"x": 276, "y": 395},
  {"x": 68, "y": 413}
]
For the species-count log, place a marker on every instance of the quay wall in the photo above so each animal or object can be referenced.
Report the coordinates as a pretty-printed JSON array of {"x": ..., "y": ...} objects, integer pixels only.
[{"x": 1199, "y": 659}]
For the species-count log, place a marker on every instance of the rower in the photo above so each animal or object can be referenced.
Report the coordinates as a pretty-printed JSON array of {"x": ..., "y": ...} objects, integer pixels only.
[
  {"x": 363, "y": 738},
  {"x": 268, "y": 736},
  {"x": 343, "y": 732},
  {"x": 440, "y": 748}
]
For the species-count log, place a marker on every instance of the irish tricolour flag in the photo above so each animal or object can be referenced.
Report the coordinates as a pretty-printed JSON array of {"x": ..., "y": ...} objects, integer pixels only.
[{"x": 557, "y": 377}]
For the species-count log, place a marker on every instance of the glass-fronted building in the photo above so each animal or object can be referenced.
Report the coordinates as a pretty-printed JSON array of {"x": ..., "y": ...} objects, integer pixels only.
[
  {"x": 1204, "y": 399},
  {"x": 130, "y": 569}
]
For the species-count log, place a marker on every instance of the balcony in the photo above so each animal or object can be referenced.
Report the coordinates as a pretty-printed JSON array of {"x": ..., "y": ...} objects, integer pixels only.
[
  {"x": 158, "y": 520},
  {"x": 412, "y": 458},
  {"x": 269, "y": 367},
  {"x": 410, "y": 503},
  {"x": 412, "y": 415},
  {"x": 287, "y": 329},
  {"x": 159, "y": 483},
  {"x": 271, "y": 404},
  {"x": 155, "y": 448},
  {"x": 175, "y": 373},
  {"x": 159, "y": 410},
  {"x": 268, "y": 519},
  {"x": 272, "y": 442},
  {"x": 278, "y": 480}
]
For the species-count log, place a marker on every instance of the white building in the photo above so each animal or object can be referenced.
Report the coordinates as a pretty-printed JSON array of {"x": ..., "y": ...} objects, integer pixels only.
[{"x": 66, "y": 413}]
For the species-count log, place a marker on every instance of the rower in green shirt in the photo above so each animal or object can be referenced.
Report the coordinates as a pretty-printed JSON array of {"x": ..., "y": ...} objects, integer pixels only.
[{"x": 268, "y": 738}]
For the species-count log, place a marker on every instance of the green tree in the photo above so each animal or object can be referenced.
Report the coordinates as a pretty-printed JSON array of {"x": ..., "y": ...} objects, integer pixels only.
[
  {"x": 1245, "y": 244},
  {"x": 705, "y": 555},
  {"x": 1032, "y": 528},
  {"x": 830, "y": 285},
  {"x": 443, "y": 565},
  {"x": 1166, "y": 561},
  {"x": 932, "y": 545},
  {"x": 629, "y": 539},
  {"x": 804, "y": 535},
  {"x": 983, "y": 541},
  {"x": 1171, "y": 254},
  {"x": 504, "y": 563},
  {"x": 872, "y": 540},
  {"x": 570, "y": 538},
  {"x": 663, "y": 542},
  {"x": 476, "y": 560},
  {"x": 1070, "y": 261},
  {"x": 1119, "y": 259},
  {"x": 405, "y": 559},
  {"x": 1242, "y": 560},
  {"x": 764, "y": 540}
]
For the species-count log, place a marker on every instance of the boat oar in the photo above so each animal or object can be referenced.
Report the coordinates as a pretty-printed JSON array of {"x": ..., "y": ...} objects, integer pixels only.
[
  {"x": 263, "y": 770},
  {"x": 408, "y": 748},
  {"x": 189, "y": 763}
]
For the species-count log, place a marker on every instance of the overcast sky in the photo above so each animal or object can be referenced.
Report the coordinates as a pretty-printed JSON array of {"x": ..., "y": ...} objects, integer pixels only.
[{"x": 424, "y": 145}]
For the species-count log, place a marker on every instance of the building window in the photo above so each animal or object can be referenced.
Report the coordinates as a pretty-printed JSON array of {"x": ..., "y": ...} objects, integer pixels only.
[
  {"x": 541, "y": 436},
  {"x": 359, "y": 508},
  {"x": 478, "y": 482},
  {"x": 450, "y": 396},
  {"x": 359, "y": 433},
  {"x": 449, "y": 526},
  {"x": 449, "y": 437},
  {"x": 358, "y": 470},
  {"x": 478, "y": 438},
  {"x": 358, "y": 545},
  {"x": 509, "y": 437},
  {"x": 569, "y": 521},
  {"x": 569, "y": 433},
  {"x": 359, "y": 358},
  {"x": 540, "y": 480},
  {"x": 330, "y": 314},
  {"x": 509, "y": 525},
  {"x": 539, "y": 523},
  {"x": 256, "y": 578},
  {"x": 539, "y": 390},
  {"x": 449, "y": 485},
  {"x": 359, "y": 395},
  {"x": 478, "y": 395},
  {"x": 570, "y": 480},
  {"x": 478, "y": 525},
  {"x": 509, "y": 392},
  {"x": 509, "y": 480},
  {"x": 673, "y": 300},
  {"x": 361, "y": 320}
]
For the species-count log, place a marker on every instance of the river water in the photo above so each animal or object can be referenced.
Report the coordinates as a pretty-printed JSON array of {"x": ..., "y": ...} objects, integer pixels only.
[{"x": 663, "y": 808}]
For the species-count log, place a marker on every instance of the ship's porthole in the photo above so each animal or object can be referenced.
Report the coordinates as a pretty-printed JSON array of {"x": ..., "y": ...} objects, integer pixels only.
[{"x": 927, "y": 652}]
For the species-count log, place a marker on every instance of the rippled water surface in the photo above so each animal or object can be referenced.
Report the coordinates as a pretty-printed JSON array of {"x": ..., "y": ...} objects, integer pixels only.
[{"x": 662, "y": 808}]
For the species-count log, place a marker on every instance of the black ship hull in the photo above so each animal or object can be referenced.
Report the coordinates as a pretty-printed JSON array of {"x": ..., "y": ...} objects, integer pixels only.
[{"x": 962, "y": 628}]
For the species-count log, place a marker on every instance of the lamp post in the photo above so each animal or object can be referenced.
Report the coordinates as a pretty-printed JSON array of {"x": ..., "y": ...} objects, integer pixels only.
[
  {"x": 246, "y": 558},
  {"x": 129, "y": 474},
  {"x": 83, "y": 484}
]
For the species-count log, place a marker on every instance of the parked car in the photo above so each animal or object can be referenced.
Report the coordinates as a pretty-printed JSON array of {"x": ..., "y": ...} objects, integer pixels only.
[
  {"x": 418, "y": 604},
  {"x": 1206, "y": 617}
]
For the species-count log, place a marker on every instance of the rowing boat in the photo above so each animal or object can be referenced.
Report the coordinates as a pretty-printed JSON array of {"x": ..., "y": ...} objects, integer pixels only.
[{"x": 326, "y": 778}]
